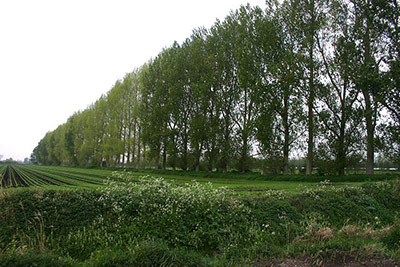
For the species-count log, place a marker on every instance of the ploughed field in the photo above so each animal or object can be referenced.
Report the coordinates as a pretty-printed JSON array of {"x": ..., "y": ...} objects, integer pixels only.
[
  {"x": 41, "y": 176},
  {"x": 244, "y": 184},
  {"x": 37, "y": 176}
]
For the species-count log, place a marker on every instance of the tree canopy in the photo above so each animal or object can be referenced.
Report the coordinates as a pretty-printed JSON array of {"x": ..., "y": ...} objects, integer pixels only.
[{"x": 315, "y": 78}]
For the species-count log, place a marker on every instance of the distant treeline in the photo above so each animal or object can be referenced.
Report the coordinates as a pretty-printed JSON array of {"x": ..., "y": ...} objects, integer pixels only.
[{"x": 318, "y": 78}]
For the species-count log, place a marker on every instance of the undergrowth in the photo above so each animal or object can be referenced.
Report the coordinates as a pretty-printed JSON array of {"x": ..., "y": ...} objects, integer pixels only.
[{"x": 152, "y": 222}]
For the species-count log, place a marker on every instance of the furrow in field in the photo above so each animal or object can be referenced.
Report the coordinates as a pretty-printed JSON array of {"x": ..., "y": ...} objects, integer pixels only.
[
  {"x": 46, "y": 178},
  {"x": 31, "y": 180},
  {"x": 86, "y": 179},
  {"x": 20, "y": 181},
  {"x": 5, "y": 180},
  {"x": 68, "y": 170},
  {"x": 67, "y": 177}
]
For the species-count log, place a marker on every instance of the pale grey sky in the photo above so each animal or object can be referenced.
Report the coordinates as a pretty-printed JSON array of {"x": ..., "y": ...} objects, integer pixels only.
[{"x": 57, "y": 57}]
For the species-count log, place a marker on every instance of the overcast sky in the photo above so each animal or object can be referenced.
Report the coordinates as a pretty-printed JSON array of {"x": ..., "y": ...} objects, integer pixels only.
[{"x": 57, "y": 57}]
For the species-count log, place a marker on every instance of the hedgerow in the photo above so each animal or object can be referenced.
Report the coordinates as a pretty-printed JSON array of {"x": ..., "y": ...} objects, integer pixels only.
[{"x": 177, "y": 219}]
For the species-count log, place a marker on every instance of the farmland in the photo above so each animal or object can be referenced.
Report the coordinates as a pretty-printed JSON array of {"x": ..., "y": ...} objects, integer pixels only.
[
  {"x": 164, "y": 218},
  {"x": 250, "y": 184},
  {"x": 37, "y": 176}
]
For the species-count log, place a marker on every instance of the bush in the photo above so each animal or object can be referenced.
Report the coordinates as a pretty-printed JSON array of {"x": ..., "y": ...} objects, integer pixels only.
[
  {"x": 275, "y": 216},
  {"x": 50, "y": 211},
  {"x": 193, "y": 215},
  {"x": 392, "y": 238},
  {"x": 111, "y": 226},
  {"x": 344, "y": 205},
  {"x": 386, "y": 193},
  {"x": 31, "y": 259},
  {"x": 147, "y": 254}
]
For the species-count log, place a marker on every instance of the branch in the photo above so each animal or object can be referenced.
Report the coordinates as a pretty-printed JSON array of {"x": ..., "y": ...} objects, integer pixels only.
[
  {"x": 326, "y": 124},
  {"x": 327, "y": 70}
]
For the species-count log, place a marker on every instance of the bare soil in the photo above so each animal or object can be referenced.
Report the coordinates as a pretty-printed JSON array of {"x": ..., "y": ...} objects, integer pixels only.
[{"x": 347, "y": 261}]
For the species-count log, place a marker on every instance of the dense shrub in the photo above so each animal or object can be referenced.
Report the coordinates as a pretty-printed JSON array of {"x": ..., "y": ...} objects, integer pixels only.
[
  {"x": 33, "y": 259},
  {"x": 193, "y": 215},
  {"x": 387, "y": 194},
  {"x": 112, "y": 226},
  {"x": 52, "y": 211},
  {"x": 345, "y": 205},
  {"x": 148, "y": 253},
  {"x": 392, "y": 238},
  {"x": 274, "y": 216}
]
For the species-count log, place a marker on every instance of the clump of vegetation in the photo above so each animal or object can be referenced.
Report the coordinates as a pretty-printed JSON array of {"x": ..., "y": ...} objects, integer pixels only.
[
  {"x": 148, "y": 253},
  {"x": 34, "y": 259},
  {"x": 392, "y": 238},
  {"x": 192, "y": 215},
  {"x": 129, "y": 220}
]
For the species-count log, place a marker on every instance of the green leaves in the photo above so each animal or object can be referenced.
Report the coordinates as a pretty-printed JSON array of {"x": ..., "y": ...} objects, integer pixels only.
[{"x": 302, "y": 77}]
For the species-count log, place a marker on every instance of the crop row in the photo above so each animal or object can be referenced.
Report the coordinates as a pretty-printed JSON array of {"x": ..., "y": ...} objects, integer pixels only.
[{"x": 29, "y": 175}]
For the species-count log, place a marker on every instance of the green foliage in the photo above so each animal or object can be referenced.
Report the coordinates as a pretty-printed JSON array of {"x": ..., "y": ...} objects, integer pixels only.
[
  {"x": 346, "y": 205},
  {"x": 392, "y": 238},
  {"x": 26, "y": 212},
  {"x": 274, "y": 215},
  {"x": 154, "y": 222},
  {"x": 193, "y": 215},
  {"x": 148, "y": 253},
  {"x": 387, "y": 194},
  {"x": 34, "y": 259},
  {"x": 239, "y": 90}
]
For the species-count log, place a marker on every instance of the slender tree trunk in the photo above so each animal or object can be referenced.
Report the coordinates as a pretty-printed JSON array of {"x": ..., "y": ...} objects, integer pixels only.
[
  {"x": 185, "y": 151},
  {"x": 285, "y": 121},
  {"x": 144, "y": 156},
  {"x": 200, "y": 148},
  {"x": 368, "y": 106},
  {"x": 138, "y": 148},
  {"x": 226, "y": 148},
  {"x": 310, "y": 149},
  {"x": 243, "y": 158},
  {"x": 370, "y": 134},
  {"x": 225, "y": 154},
  {"x": 174, "y": 156},
  {"x": 164, "y": 159},
  {"x": 211, "y": 156},
  {"x": 310, "y": 104},
  {"x": 157, "y": 162},
  {"x": 128, "y": 146},
  {"x": 341, "y": 156}
]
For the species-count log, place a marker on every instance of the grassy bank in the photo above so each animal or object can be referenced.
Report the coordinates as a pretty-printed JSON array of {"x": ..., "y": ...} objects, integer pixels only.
[{"x": 151, "y": 221}]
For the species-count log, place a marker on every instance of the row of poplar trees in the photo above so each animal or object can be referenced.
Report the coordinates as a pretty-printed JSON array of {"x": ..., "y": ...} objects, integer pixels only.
[{"x": 318, "y": 78}]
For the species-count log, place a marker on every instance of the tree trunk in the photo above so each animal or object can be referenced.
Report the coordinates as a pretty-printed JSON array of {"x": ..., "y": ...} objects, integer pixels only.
[
  {"x": 157, "y": 162},
  {"x": 138, "y": 148},
  {"x": 243, "y": 158},
  {"x": 285, "y": 121},
  {"x": 310, "y": 149},
  {"x": 370, "y": 134},
  {"x": 341, "y": 156},
  {"x": 211, "y": 156},
  {"x": 310, "y": 102},
  {"x": 164, "y": 161},
  {"x": 185, "y": 151},
  {"x": 368, "y": 106}
]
